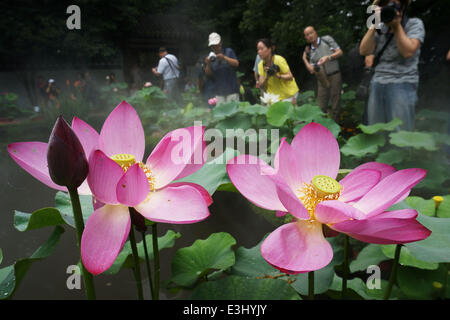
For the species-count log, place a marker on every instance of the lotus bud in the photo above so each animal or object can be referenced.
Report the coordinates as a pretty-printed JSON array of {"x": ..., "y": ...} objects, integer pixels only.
[{"x": 67, "y": 163}]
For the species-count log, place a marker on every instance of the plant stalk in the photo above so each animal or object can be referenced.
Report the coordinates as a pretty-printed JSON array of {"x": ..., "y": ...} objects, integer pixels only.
[
  {"x": 88, "y": 280},
  {"x": 156, "y": 260},
  {"x": 137, "y": 268},
  {"x": 393, "y": 276},
  {"x": 444, "y": 286},
  {"x": 345, "y": 271},
  {"x": 147, "y": 262},
  {"x": 311, "y": 285}
]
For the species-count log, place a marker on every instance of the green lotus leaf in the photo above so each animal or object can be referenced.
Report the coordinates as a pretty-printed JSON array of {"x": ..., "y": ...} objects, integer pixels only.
[
  {"x": 12, "y": 276},
  {"x": 362, "y": 145},
  {"x": 279, "y": 112},
  {"x": 416, "y": 140},
  {"x": 239, "y": 288},
  {"x": 389, "y": 126},
  {"x": 194, "y": 262},
  {"x": 371, "y": 254}
]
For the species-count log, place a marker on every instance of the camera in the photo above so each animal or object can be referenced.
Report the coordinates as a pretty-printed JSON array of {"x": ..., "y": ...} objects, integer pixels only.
[
  {"x": 272, "y": 70},
  {"x": 212, "y": 56},
  {"x": 389, "y": 12}
]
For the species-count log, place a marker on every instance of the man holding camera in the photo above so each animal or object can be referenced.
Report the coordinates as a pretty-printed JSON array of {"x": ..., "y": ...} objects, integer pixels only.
[
  {"x": 393, "y": 89},
  {"x": 320, "y": 58},
  {"x": 221, "y": 65},
  {"x": 169, "y": 69}
]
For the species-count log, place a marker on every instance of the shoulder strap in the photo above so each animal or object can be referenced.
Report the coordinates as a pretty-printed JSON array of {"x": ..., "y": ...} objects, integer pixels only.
[
  {"x": 378, "y": 56},
  {"x": 325, "y": 41},
  {"x": 170, "y": 65}
]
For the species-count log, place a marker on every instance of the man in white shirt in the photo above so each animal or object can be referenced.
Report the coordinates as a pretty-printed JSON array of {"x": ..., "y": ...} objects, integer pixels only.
[{"x": 169, "y": 69}]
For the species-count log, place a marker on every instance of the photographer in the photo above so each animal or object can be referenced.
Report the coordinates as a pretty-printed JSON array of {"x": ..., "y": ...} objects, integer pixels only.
[
  {"x": 169, "y": 69},
  {"x": 52, "y": 92},
  {"x": 220, "y": 67},
  {"x": 274, "y": 74},
  {"x": 393, "y": 89},
  {"x": 320, "y": 58}
]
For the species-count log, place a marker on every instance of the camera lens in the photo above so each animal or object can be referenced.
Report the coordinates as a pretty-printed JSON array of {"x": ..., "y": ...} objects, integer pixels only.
[{"x": 388, "y": 13}]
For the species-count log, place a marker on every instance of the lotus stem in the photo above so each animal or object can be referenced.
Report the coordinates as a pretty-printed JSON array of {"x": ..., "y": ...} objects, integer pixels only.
[
  {"x": 393, "y": 276},
  {"x": 311, "y": 285},
  {"x": 88, "y": 280},
  {"x": 147, "y": 262},
  {"x": 137, "y": 268},
  {"x": 156, "y": 259},
  {"x": 345, "y": 271}
]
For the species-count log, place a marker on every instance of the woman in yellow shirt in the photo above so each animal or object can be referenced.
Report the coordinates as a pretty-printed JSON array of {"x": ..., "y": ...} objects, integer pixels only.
[{"x": 274, "y": 74}]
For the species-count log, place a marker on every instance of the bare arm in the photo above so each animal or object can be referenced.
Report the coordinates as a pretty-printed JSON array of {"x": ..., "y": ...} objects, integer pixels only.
[
  {"x": 368, "y": 61},
  {"x": 367, "y": 45},
  {"x": 232, "y": 62},
  {"x": 285, "y": 76},
  {"x": 335, "y": 55},
  {"x": 406, "y": 46},
  {"x": 208, "y": 70},
  {"x": 155, "y": 72},
  {"x": 262, "y": 82},
  {"x": 309, "y": 67}
]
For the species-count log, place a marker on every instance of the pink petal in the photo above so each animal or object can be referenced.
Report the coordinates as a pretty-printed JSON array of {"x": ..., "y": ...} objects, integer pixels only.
[
  {"x": 403, "y": 197},
  {"x": 104, "y": 236},
  {"x": 297, "y": 247},
  {"x": 97, "y": 204},
  {"x": 122, "y": 133},
  {"x": 32, "y": 157},
  {"x": 316, "y": 151},
  {"x": 357, "y": 183},
  {"x": 246, "y": 173},
  {"x": 389, "y": 190},
  {"x": 198, "y": 146},
  {"x": 291, "y": 202},
  {"x": 174, "y": 155},
  {"x": 399, "y": 214},
  {"x": 334, "y": 211},
  {"x": 286, "y": 164},
  {"x": 133, "y": 187},
  {"x": 182, "y": 204},
  {"x": 385, "y": 169},
  {"x": 87, "y": 135},
  {"x": 384, "y": 231},
  {"x": 205, "y": 194},
  {"x": 104, "y": 174}
]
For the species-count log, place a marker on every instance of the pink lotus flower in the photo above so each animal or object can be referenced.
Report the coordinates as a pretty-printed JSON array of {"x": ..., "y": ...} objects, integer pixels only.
[
  {"x": 213, "y": 101},
  {"x": 32, "y": 156},
  {"x": 119, "y": 179},
  {"x": 305, "y": 186}
]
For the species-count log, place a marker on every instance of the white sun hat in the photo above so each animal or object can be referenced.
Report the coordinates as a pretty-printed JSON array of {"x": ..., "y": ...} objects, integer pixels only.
[{"x": 214, "y": 39}]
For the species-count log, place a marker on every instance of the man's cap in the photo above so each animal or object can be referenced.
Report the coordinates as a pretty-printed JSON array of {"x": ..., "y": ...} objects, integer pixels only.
[{"x": 214, "y": 39}]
